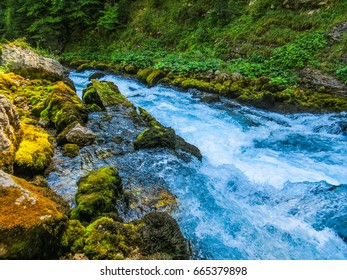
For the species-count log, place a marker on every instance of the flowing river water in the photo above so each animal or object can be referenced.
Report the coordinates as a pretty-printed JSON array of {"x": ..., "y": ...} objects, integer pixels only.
[{"x": 270, "y": 186}]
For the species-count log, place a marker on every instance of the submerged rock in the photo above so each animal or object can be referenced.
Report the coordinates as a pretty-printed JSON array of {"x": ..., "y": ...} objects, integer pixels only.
[
  {"x": 71, "y": 150},
  {"x": 31, "y": 223}
]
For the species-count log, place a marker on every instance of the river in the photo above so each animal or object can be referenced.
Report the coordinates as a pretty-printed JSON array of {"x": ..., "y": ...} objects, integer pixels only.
[{"x": 270, "y": 186}]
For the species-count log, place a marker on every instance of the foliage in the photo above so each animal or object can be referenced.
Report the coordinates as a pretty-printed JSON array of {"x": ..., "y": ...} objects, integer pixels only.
[{"x": 341, "y": 73}]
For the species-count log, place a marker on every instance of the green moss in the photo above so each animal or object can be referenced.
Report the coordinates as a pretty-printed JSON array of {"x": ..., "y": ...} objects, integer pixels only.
[
  {"x": 35, "y": 152},
  {"x": 144, "y": 73},
  {"x": 198, "y": 84},
  {"x": 106, "y": 239},
  {"x": 62, "y": 107},
  {"x": 97, "y": 194},
  {"x": 105, "y": 94},
  {"x": 71, "y": 150},
  {"x": 155, "y": 137},
  {"x": 155, "y": 77},
  {"x": 73, "y": 237}
]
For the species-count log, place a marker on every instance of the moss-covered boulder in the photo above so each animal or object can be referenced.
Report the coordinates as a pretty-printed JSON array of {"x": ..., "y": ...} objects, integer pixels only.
[
  {"x": 164, "y": 137},
  {"x": 35, "y": 151},
  {"x": 31, "y": 224},
  {"x": 97, "y": 194},
  {"x": 144, "y": 73},
  {"x": 9, "y": 134},
  {"x": 105, "y": 94},
  {"x": 73, "y": 237},
  {"x": 62, "y": 107},
  {"x": 155, "y": 76},
  {"x": 106, "y": 239}
]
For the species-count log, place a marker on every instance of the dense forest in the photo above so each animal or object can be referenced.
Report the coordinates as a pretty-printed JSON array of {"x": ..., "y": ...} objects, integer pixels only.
[{"x": 255, "y": 38}]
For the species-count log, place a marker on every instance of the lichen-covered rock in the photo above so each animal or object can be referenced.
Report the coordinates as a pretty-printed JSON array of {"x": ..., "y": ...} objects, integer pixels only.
[
  {"x": 80, "y": 135},
  {"x": 105, "y": 94},
  {"x": 31, "y": 224},
  {"x": 63, "y": 107},
  {"x": 164, "y": 137},
  {"x": 9, "y": 132},
  {"x": 26, "y": 62},
  {"x": 97, "y": 194},
  {"x": 71, "y": 150},
  {"x": 35, "y": 151}
]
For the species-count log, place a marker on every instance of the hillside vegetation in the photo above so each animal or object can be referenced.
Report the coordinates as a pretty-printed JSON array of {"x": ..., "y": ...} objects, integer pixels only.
[{"x": 272, "y": 38}]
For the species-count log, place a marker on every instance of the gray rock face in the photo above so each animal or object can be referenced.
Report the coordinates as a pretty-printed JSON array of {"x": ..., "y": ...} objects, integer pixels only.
[
  {"x": 337, "y": 32},
  {"x": 26, "y": 62},
  {"x": 317, "y": 80},
  {"x": 9, "y": 126},
  {"x": 80, "y": 135}
]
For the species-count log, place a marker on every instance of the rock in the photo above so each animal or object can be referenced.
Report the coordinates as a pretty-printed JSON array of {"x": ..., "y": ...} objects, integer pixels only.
[
  {"x": 210, "y": 98},
  {"x": 155, "y": 77},
  {"x": 164, "y": 137},
  {"x": 39, "y": 181},
  {"x": 317, "y": 80},
  {"x": 309, "y": 4},
  {"x": 97, "y": 194},
  {"x": 96, "y": 75},
  {"x": 221, "y": 76},
  {"x": 160, "y": 233},
  {"x": 80, "y": 135},
  {"x": 9, "y": 134},
  {"x": 337, "y": 32},
  {"x": 31, "y": 224},
  {"x": 144, "y": 73},
  {"x": 235, "y": 76},
  {"x": 35, "y": 151},
  {"x": 26, "y": 62},
  {"x": 131, "y": 69},
  {"x": 71, "y": 150},
  {"x": 104, "y": 94},
  {"x": 63, "y": 107}
]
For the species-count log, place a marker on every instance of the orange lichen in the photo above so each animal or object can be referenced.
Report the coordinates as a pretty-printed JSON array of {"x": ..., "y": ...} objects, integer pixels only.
[{"x": 25, "y": 206}]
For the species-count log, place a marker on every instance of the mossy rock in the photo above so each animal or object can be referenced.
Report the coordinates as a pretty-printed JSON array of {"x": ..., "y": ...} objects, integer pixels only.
[
  {"x": 97, "y": 194},
  {"x": 130, "y": 69},
  {"x": 155, "y": 77},
  {"x": 160, "y": 233},
  {"x": 198, "y": 84},
  {"x": 105, "y": 94},
  {"x": 35, "y": 151},
  {"x": 144, "y": 73},
  {"x": 164, "y": 137},
  {"x": 62, "y": 107},
  {"x": 106, "y": 239},
  {"x": 31, "y": 223},
  {"x": 71, "y": 150},
  {"x": 73, "y": 237}
]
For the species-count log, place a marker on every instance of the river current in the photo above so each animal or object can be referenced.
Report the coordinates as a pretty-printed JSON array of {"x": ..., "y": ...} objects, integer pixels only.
[{"x": 270, "y": 186}]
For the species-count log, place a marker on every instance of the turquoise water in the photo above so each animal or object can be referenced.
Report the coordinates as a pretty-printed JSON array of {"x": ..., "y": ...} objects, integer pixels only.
[{"x": 270, "y": 186}]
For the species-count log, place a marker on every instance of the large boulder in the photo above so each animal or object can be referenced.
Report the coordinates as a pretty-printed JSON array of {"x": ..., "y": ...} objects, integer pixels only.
[
  {"x": 26, "y": 62},
  {"x": 9, "y": 132},
  {"x": 31, "y": 223}
]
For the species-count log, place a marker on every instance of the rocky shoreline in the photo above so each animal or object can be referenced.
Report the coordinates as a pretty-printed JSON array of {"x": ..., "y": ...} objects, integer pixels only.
[{"x": 41, "y": 114}]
